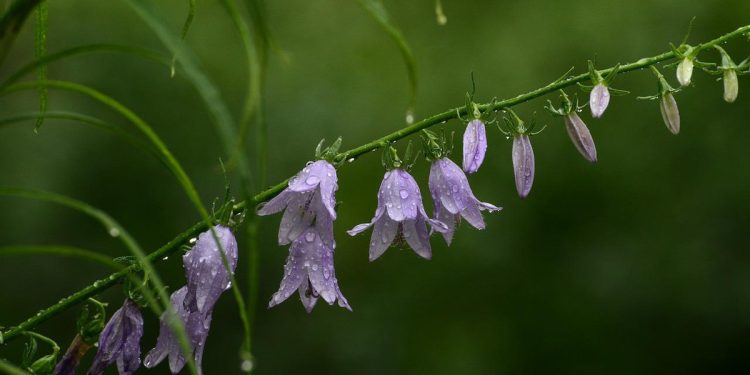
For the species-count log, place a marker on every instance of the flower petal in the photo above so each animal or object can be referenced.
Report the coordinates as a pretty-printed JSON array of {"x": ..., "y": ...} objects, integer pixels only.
[
  {"x": 523, "y": 164},
  {"x": 309, "y": 177},
  {"x": 383, "y": 235},
  {"x": 276, "y": 204},
  {"x": 307, "y": 296},
  {"x": 475, "y": 146},
  {"x": 294, "y": 274},
  {"x": 416, "y": 235},
  {"x": 400, "y": 194},
  {"x": 205, "y": 270},
  {"x": 670, "y": 113},
  {"x": 297, "y": 218},
  {"x": 328, "y": 187},
  {"x": 448, "y": 219},
  {"x": 599, "y": 100},
  {"x": 580, "y": 136}
]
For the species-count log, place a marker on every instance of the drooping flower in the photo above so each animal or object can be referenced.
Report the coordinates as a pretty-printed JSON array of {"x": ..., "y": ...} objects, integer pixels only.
[
  {"x": 599, "y": 100},
  {"x": 453, "y": 197},
  {"x": 670, "y": 113},
  {"x": 196, "y": 325},
  {"x": 580, "y": 136},
  {"x": 207, "y": 276},
  {"x": 685, "y": 71},
  {"x": 309, "y": 270},
  {"x": 120, "y": 341},
  {"x": 400, "y": 214},
  {"x": 309, "y": 199},
  {"x": 523, "y": 164},
  {"x": 475, "y": 145},
  {"x": 731, "y": 85}
]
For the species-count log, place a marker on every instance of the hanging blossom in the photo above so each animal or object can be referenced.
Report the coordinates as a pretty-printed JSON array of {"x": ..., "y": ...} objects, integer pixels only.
[
  {"x": 400, "y": 214},
  {"x": 309, "y": 270},
  {"x": 576, "y": 128},
  {"x": 453, "y": 198},
  {"x": 667, "y": 104},
  {"x": 601, "y": 91},
  {"x": 523, "y": 153},
  {"x": 208, "y": 277},
  {"x": 728, "y": 69},
  {"x": 120, "y": 341},
  {"x": 599, "y": 100},
  {"x": 309, "y": 199},
  {"x": 475, "y": 145}
]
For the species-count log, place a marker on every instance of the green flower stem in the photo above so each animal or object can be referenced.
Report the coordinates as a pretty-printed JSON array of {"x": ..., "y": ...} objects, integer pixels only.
[{"x": 174, "y": 245}]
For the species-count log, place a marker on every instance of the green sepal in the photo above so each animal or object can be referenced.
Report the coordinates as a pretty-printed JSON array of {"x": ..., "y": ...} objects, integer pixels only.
[{"x": 91, "y": 321}]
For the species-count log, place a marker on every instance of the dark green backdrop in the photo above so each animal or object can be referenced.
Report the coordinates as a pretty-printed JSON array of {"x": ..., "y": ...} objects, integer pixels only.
[{"x": 638, "y": 264}]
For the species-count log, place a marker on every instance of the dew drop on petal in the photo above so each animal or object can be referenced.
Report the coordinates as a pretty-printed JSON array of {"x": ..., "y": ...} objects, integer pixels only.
[
  {"x": 312, "y": 180},
  {"x": 404, "y": 194},
  {"x": 310, "y": 236}
]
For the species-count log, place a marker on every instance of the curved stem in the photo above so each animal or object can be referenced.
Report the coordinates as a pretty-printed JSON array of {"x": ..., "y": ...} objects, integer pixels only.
[
  {"x": 66, "y": 251},
  {"x": 174, "y": 245}
]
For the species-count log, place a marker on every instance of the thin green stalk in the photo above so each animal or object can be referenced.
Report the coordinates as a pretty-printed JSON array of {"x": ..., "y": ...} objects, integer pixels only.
[
  {"x": 174, "y": 245},
  {"x": 11, "y": 369},
  {"x": 65, "y": 251},
  {"x": 40, "y": 49}
]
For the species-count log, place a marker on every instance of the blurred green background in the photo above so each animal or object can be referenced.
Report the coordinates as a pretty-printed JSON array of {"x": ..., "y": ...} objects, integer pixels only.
[{"x": 637, "y": 264}]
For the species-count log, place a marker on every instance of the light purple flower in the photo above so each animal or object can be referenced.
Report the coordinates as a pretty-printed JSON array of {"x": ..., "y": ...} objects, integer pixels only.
[
  {"x": 207, "y": 276},
  {"x": 167, "y": 345},
  {"x": 670, "y": 113},
  {"x": 120, "y": 341},
  {"x": 599, "y": 100},
  {"x": 580, "y": 136},
  {"x": 309, "y": 198},
  {"x": 453, "y": 197},
  {"x": 309, "y": 269},
  {"x": 475, "y": 146},
  {"x": 401, "y": 214},
  {"x": 523, "y": 164}
]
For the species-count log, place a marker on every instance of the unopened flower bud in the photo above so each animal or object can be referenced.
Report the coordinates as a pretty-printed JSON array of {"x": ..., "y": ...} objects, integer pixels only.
[
  {"x": 599, "y": 100},
  {"x": 580, "y": 136},
  {"x": 523, "y": 164},
  {"x": 731, "y": 86},
  {"x": 685, "y": 71},
  {"x": 670, "y": 113}
]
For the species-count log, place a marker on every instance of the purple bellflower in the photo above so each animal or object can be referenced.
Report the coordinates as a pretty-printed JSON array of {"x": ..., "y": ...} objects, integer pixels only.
[
  {"x": 400, "y": 215},
  {"x": 309, "y": 270},
  {"x": 453, "y": 197},
  {"x": 309, "y": 199},
  {"x": 167, "y": 345},
  {"x": 523, "y": 153},
  {"x": 193, "y": 304},
  {"x": 475, "y": 145},
  {"x": 120, "y": 341},
  {"x": 577, "y": 130}
]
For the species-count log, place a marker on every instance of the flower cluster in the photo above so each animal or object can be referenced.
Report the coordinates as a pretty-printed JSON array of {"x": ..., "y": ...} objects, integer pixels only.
[{"x": 309, "y": 205}]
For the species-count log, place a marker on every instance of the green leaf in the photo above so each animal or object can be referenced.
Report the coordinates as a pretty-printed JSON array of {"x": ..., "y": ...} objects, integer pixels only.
[
  {"x": 11, "y": 22},
  {"x": 377, "y": 10},
  {"x": 40, "y": 49}
]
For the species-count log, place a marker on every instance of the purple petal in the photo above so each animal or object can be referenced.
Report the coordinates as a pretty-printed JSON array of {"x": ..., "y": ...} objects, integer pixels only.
[
  {"x": 523, "y": 164},
  {"x": 580, "y": 136},
  {"x": 670, "y": 113},
  {"x": 475, "y": 146},
  {"x": 294, "y": 274},
  {"x": 205, "y": 270},
  {"x": 448, "y": 219},
  {"x": 400, "y": 195},
  {"x": 328, "y": 187},
  {"x": 383, "y": 234},
  {"x": 297, "y": 217},
  {"x": 120, "y": 341},
  {"x": 310, "y": 177},
  {"x": 167, "y": 344},
  {"x": 276, "y": 204},
  {"x": 448, "y": 183},
  {"x": 307, "y": 295},
  {"x": 416, "y": 235},
  {"x": 473, "y": 216},
  {"x": 599, "y": 100}
]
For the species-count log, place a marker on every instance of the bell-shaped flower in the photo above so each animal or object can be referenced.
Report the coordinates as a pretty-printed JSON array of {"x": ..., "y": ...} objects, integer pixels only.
[
  {"x": 580, "y": 136},
  {"x": 400, "y": 214},
  {"x": 599, "y": 100},
  {"x": 670, "y": 113},
  {"x": 309, "y": 270},
  {"x": 453, "y": 197},
  {"x": 475, "y": 145},
  {"x": 523, "y": 164},
  {"x": 196, "y": 325},
  {"x": 310, "y": 198},
  {"x": 120, "y": 340},
  {"x": 207, "y": 275},
  {"x": 731, "y": 86}
]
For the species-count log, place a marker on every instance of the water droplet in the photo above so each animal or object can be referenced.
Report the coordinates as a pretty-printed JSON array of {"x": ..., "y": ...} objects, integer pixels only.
[
  {"x": 455, "y": 188},
  {"x": 310, "y": 236},
  {"x": 114, "y": 232},
  {"x": 246, "y": 366},
  {"x": 312, "y": 180},
  {"x": 404, "y": 194},
  {"x": 165, "y": 258},
  {"x": 326, "y": 273},
  {"x": 314, "y": 267},
  {"x": 351, "y": 160}
]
